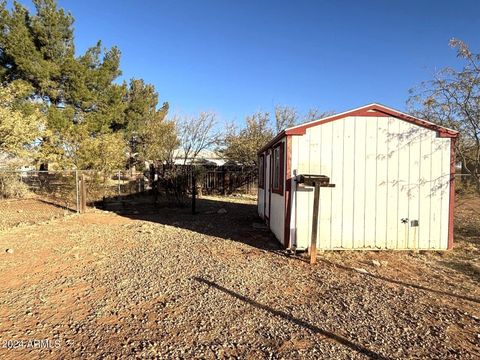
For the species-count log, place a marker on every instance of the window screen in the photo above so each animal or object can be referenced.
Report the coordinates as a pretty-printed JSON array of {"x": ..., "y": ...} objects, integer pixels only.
[
  {"x": 261, "y": 171},
  {"x": 276, "y": 167}
]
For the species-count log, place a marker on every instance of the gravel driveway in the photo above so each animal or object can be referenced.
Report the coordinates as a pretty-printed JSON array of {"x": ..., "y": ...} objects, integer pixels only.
[{"x": 166, "y": 284}]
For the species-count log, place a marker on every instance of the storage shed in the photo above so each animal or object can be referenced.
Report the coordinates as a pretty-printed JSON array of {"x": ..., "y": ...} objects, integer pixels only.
[{"x": 393, "y": 175}]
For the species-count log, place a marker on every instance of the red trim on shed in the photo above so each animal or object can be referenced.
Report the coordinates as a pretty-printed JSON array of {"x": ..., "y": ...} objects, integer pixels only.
[
  {"x": 452, "y": 193},
  {"x": 272, "y": 142},
  {"x": 267, "y": 187},
  {"x": 374, "y": 110},
  {"x": 281, "y": 168}
]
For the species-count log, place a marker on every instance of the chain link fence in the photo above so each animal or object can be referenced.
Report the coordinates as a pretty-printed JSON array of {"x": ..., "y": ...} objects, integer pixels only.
[
  {"x": 28, "y": 197},
  {"x": 103, "y": 186},
  {"x": 33, "y": 196}
]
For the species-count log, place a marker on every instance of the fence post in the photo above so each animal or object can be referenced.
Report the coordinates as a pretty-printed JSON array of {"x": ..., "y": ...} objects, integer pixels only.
[
  {"x": 223, "y": 181},
  {"x": 77, "y": 192},
  {"x": 118, "y": 178},
  {"x": 83, "y": 194},
  {"x": 194, "y": 192}
]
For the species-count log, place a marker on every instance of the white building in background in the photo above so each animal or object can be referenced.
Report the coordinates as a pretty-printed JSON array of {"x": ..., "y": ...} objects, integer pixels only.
[
  {"x": 205, "y": 157},
  {"x": 393, "y": 176},
  {"x": 9, "y": 162}
]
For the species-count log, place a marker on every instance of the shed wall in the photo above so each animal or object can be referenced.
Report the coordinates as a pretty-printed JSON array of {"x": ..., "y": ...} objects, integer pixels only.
[
  {"x": 385, "y": 170},
  {"x": 277, "y": 216},
  {"x": 261, "y": 202},
  {"x": 277, "y": 202}
]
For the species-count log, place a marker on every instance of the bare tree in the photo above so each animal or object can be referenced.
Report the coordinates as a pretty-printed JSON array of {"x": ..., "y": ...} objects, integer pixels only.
[
  {"x": 285, "y": 117},
  {"x": 452, "y": 99},
  {"x": 315, "y": 114},
  {"x": 197, "y": 134},
  {"x": 242, "y": 146}
]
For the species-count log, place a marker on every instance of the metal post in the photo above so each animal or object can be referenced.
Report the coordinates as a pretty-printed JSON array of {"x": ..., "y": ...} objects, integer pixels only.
[
  {"x": 118, "y": 178},
  {"x": 223, "y": 181},
  {"x": 313, "y": 242},
  {"x": 77, "y": 192},
  {"x": 194, "y": 192},
  {"x": 83, "y": 194}
]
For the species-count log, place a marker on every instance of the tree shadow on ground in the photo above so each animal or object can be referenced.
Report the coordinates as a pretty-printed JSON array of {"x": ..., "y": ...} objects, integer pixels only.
[
  {"x": 468, "y": 233},
  {"x": 299, "y": 322},
  {"x": 466, "y": 268},
  {"x": 221, "y": 217},
  {"x": 240, "y": 223},
  {"x": 403, "y": 283},
  {"x": 57, "y": 204}
]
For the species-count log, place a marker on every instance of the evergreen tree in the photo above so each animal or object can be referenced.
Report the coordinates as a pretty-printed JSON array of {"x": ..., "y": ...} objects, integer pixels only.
[
  {"x": 149, "y": 135},
  {"x": 78, "y": 96}
]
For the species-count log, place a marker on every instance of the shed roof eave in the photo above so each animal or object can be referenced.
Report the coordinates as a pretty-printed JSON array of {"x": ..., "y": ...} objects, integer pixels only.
[
  {"x": 374, "y": 107},
  {"x": 272, "y": 142},
  {"x": 368, "y": 110}
]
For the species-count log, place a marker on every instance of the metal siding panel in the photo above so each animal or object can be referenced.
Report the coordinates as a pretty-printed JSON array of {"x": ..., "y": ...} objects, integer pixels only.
[
  {"x": 436, "y": 196},
  {"x": 445, "y": 193},
  {"x": 314, "y": 150},
  {"x": 302, "y": 209},
  {"x": 324, "y": 230},
  {"x": 393, "y": 220},
  {"x": 359, "y": 198},
  {"x": 260, "y": 202},
  {"x": 403, "y": 183},
  {"x": 425, "y": 184},
  {"x": 440, "y": 193},
  {"x": 332, "y": 162},
  {"x": 370, "y": 181},
  {"x": 381, "y": 183},
  {"x": 313, "y": 168},
  {"x": 303, "y": 156},
  {"x": 348, "y": 180},
  {"x": 293, "y": 211},
  {"x": 414, "y": 185},
  {"x": 277, "y": 216},
  {"x": 337, "y": 179}
]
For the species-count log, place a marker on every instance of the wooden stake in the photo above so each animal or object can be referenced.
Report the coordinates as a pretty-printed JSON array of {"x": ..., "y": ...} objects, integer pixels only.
[
  {"x": 313, "y": 242},
  {"x": 83, "y": 194},
  {"x": 77, "y": 191}
]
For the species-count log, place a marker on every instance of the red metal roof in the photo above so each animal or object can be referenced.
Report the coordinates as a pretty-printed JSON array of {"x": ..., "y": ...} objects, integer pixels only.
[{"x": 374, "y": 110}]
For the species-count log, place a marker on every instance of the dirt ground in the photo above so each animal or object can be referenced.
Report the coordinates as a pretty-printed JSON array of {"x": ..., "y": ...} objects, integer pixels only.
[
  {"x": 15, "y": 213},
  {"x": 143, "y": 282}
]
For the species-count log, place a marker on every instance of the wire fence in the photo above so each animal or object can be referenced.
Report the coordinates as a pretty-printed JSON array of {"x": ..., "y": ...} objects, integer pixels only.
[
  {"x": 217, "y": 180},
  {"x": 464, "y": 184},
  {"x": 28, "y": 197}
]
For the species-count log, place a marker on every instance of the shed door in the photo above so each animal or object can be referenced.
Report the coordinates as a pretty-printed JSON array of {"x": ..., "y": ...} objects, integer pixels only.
[{"x": 267, "y": 187}]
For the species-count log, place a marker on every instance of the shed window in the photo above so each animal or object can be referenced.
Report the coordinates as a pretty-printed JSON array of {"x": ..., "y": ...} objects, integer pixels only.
[
  {"x": 261, "y": 172},
  {"x": 277, "y": 169}
]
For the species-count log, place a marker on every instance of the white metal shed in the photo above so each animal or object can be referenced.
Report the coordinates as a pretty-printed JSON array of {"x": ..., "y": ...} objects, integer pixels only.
[{"x": 393, "y": 176}]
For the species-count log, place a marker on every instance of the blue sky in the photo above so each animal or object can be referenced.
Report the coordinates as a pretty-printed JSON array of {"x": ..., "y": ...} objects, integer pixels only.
[{"x": 238, "y": 57}]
